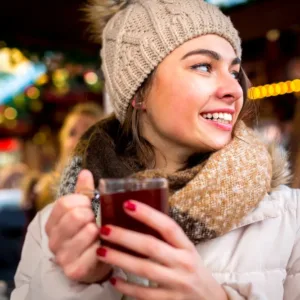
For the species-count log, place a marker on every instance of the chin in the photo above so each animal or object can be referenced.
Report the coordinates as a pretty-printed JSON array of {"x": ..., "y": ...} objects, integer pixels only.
[{"x": 219, "y": 142}]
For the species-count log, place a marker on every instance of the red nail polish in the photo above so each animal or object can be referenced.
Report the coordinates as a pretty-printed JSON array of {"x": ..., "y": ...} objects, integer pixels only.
[
  {"x": 130, "y": 206},
  {"x": 113, "y": 281},
  {"x": 101, "y": 252},
  {"x": 104, "y": 230}
]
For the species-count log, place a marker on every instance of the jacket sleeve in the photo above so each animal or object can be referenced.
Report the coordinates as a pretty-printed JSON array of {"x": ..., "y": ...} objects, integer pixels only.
[
  {"x": 292, "y": 282},
  {"x": 37, "y": 277}
]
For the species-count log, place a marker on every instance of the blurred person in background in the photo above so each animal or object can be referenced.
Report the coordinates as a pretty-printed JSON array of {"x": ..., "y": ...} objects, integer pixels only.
[
  {"x": 40, "y": 189},
  {"x": 173, "y": 72}
]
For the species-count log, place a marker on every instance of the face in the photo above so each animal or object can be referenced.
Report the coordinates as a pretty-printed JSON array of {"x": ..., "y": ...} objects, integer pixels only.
[
  {"x": 75, "y": 127},
  {"x": 195, "y": 97}
]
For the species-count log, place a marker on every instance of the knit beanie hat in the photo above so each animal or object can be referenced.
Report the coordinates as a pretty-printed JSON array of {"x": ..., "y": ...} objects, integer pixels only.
[{"x": 141, "y": 33}]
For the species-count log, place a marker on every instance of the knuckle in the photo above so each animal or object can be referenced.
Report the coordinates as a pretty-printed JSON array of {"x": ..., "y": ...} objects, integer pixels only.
[
  {"x": 61, "y": 258},
  {"x": 172, "y": 228},
  {"x": 91, "y": 230},
  {"x": 63, "y": 203},
  {"x": 76, "y": 273},
  {"x": 189, "y": 264},
  {"x": 77, "y": 216},
  {"x": 152, "y": 247},
  {"x": 143, "y": 272}
]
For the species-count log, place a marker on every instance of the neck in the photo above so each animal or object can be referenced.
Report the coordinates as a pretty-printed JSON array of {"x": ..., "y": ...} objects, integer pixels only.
[
  {"x": 169, "y": 162},
  {"x": 169, "y": 155}
]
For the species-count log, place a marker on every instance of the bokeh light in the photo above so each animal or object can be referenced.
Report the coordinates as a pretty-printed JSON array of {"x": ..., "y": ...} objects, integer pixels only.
[
  {"x": 91, "y": 78},
  {"x": 33, "y": 93},
  {"x": 273, "y": 35},
  {"x": 42, "y": 80},
  {"x": 274, "y": 89},
  {"x": 10, "y": 113}
]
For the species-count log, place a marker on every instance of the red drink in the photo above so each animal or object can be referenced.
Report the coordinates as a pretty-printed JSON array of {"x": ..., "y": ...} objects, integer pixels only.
[{"x": 112, "y": 211}]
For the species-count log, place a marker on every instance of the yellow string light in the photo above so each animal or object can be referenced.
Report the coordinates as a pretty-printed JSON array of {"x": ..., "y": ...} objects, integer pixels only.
[{"x": 275, "y": 89}]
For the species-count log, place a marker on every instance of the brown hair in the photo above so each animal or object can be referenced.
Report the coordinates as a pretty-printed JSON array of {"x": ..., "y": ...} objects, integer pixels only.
[
  {"x": 130, "y": 141},
  {"x": 89, "y": 109}
]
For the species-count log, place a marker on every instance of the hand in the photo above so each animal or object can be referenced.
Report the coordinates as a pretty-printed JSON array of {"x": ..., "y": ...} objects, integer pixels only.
[
  {"x": 174, "y": 265},
  {"x": 73, "y": 235}
]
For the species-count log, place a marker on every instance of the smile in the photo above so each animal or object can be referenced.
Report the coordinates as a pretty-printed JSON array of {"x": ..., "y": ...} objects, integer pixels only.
[
  {"x": 221, "y": 119},
  {"x": 225, "y": 118}
]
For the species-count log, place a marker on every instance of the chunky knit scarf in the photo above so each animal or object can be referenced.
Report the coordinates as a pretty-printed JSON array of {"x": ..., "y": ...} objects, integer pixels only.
[{"x": 207, "y": 200}]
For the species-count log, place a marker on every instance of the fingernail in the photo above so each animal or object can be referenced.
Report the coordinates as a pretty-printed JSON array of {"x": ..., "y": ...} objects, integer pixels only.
[
  {"x": 113, "y": 281},
  {"x": 104, "y": 230},
  {"x": 101, "y": 252},
  {"x": 130, "y": 206}
]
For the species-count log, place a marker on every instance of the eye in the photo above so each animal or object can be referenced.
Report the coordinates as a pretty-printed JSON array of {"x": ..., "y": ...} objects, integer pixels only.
[
  {"x": 235, "y": 74},
  {"x": 72, "y": 132},
  {"x": 202, "y": 67}
]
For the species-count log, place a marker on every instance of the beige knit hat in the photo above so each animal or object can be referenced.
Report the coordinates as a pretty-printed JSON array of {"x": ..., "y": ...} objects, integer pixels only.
[{"x": 143, "y": 32}]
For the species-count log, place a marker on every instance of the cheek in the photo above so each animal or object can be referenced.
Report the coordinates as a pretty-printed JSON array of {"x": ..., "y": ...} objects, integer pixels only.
[
  {"x": 70, "y": 143},
  {"x": 178, "y": 109},
  {"x": 182, "y": 99}
]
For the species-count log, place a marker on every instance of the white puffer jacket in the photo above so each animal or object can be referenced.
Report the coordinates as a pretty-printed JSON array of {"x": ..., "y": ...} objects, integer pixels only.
[
  {"x": 260, "y": 259},
  {"x": 257, "y": 260}
]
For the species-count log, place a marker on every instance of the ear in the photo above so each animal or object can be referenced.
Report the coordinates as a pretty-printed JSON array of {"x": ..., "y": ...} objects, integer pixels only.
[{"x": 136, "y": 105}]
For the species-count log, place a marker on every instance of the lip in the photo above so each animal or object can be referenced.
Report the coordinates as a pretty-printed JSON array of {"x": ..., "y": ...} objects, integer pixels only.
[
  {"x": 224, "y": 127},
  {"x": 221, "y": 110}
]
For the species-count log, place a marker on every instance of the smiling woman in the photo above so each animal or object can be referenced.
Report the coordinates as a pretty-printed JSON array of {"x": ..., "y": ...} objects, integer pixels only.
[{"x": 173, "y": 73}]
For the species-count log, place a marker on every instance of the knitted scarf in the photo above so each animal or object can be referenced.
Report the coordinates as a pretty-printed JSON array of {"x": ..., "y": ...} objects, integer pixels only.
[
  {"x": 207, "y": 200},
  {"x": 216, "y": 195}
]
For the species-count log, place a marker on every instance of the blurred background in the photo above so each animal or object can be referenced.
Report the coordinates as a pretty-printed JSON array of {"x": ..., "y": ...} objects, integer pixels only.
[{"x": 48, "y": 66}]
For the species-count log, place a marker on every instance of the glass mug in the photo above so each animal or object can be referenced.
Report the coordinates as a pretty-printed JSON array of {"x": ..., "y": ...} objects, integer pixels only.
[{"x": 113, "y": 194}]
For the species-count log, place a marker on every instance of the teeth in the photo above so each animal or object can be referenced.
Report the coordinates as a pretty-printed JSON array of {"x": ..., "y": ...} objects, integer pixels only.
[{"x": 220, "y": 117}]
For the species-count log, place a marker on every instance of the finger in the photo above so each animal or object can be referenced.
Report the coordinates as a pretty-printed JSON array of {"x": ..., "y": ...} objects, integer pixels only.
[
  {"x": 144, "y": 244},
  {"x": 138, "y": 266},
  {"x": 77, "y": 233},
  {"x": 140, "y": 292},
  {"x": 64, "y": 205},
  {"x": 85, "y": 182},
  {"x": 87, "y": 267},
  {"x": 163, "y": 224},
  {"x": 68, "y": 226}
]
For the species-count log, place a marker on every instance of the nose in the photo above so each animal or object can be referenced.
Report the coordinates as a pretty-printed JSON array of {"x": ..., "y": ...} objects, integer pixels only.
[{"x": 229, "y": 89}]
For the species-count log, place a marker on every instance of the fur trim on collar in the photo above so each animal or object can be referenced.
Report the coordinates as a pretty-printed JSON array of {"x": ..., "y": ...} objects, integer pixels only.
[{"x": 281, "y": 172}]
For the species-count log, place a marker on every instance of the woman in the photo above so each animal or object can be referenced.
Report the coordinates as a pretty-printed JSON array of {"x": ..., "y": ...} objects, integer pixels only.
[
  {"x": 173, "y": 72},
  {"x": 39, "y": 189}
]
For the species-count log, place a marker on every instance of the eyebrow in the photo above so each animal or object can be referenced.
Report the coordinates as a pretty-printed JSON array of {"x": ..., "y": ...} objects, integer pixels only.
[{"x": 212, "y": 54}]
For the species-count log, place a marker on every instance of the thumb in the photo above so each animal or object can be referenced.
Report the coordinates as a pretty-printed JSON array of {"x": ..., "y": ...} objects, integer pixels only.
[{"x": 85, "y": 183}]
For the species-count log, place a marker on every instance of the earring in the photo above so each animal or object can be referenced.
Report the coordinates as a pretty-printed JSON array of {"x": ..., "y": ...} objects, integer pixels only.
[{"x": 138, "y": 105}]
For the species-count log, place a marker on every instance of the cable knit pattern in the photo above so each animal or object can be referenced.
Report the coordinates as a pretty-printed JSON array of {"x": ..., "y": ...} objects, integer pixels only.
[{"x": 141, "y": 35}]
